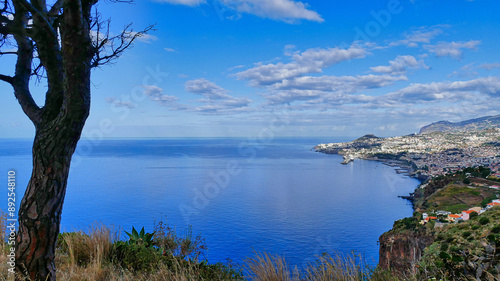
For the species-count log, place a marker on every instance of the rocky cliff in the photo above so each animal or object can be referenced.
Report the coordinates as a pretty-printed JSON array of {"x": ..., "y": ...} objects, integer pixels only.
[{"x": 400, "y": 251}]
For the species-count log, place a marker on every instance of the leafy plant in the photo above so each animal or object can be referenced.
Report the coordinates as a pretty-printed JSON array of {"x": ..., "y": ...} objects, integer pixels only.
[{"x": 140, "y": 238}]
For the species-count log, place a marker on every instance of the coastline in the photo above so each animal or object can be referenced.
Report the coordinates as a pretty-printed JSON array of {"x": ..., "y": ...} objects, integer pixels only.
[{"x": 404, "y": 167}]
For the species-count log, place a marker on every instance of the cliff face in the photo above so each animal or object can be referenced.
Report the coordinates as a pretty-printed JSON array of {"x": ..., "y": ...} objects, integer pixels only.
[{"x": 401, "y": 251}]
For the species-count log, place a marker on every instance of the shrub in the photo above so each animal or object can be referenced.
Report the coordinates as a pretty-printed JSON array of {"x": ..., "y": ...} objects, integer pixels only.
[
  {"x": 444, "y": 256},
  {"x": 496, "y": 229},
  {"x": 135, "y": 257},
  {"x": 492, "y": 238},
  {"x": 484, "y": 220},
  {"x": 457, "y": 259},
  {"x": 487, "y": 200},
  {"x": 218, "y": 271},
  {"x": 473, "y": 215},
  {"x": 185, "y": 246}
]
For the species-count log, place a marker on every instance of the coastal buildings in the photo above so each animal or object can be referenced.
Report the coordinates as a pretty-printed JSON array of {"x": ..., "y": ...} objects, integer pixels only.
[{"x": 430, "y": 154}]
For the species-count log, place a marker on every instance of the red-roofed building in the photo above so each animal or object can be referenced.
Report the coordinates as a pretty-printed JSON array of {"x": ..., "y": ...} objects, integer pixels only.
[
  {"x": 466, "y": 214},
  {"x": 453, "y": 217},
  {"x": 492, "y": 204}
]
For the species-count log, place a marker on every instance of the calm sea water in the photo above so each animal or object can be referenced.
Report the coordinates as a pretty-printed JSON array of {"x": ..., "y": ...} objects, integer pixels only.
[{"x": 241, "y": 195}]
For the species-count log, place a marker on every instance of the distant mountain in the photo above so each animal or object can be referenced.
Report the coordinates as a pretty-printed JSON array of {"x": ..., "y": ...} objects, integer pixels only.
[{"x": 468, "y": 125}]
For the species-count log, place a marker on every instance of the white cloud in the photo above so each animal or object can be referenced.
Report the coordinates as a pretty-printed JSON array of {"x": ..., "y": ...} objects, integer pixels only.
[
  {"x": 206, "y": 88},
  {"x": 284, "y": 10},
  {"x": 216, "y": 99},
  {"x": 170, "y": 50},
  {"x": 490, "y": 66},
  {"x": 399, "y": 65},
  {"x": 327, "y": 89},
  {"x": 119, "y": 103},
  {"x": 145, "y": 38},
  {"x": 309, "y": 61},
  {"x": 289, "y": 50},
  {"x": 422, "y": 34},
  {"x": 450, "y": 91},
  {"x": 452, "y": 49},
  {"x": 191, "y": 3},
  {"x": 155, "y": 93},
  {"x": 344, "y": 84},
  {"x": 468, "y": 70}
]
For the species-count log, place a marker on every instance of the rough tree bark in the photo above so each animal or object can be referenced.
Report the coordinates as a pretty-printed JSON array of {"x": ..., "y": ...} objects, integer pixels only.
[{"x": 59, "y": 39}]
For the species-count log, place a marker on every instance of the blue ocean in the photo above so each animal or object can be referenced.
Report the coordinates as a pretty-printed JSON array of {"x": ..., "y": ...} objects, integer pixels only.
[{"x": 241, "y": 195}]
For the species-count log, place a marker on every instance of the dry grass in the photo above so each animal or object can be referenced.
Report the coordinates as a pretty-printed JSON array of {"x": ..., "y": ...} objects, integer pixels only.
[
  {"x": 177, "y": 272},
  {"x": 87, "y": 259},
  {"x": 85, "y": 253},
  {"x": 85, "y": 256},
  {"x": 83, "y": 248},
  {"x": 340, "y": 267},
  {"x": 266, "y": 267}
]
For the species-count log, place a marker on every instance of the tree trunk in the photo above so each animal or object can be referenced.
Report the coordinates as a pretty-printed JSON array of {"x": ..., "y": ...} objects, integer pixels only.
[
  {"x": 40, "y": 210},
  {"x": 61, "y": 38},
  {"x": 57, "y": 134}
]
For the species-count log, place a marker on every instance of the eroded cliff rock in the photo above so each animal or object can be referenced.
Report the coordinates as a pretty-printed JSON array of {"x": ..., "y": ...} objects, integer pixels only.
[{"x": 401, "y": 251}]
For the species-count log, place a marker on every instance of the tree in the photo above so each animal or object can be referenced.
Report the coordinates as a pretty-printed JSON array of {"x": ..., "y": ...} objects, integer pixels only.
[{"x": 60, "y": 44}]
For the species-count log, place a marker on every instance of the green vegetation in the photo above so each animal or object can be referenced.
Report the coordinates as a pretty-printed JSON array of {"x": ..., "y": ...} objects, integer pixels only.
[
  {"x": 141, "y": 239},
  {"x": 478, "y": 172},
  {"x": 455, "y": 192},
  {"x": 97, "y": 254},
  {"x": 457, "y": 197},
  {"x": 410, "y": 223},
  {"x": 466, "y": 250}
]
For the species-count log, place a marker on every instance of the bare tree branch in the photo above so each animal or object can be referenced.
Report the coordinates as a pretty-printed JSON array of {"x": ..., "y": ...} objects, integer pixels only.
[
  {"x": 8, "y": 79},
  {"x": 56, "y": 8},
  {"x": 49, "y": 54},
  {"x": 23, "y": 69},
  {"x": 7, "y": 26},
  {"x": 118, "y": 44},
  {"x": 44, "y": 22}
]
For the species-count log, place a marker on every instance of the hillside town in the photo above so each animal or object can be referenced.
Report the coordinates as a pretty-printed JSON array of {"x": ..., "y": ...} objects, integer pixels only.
[
  {"x": 443, "y": 217},
  {"x": 426, "y": 154},
  {"x": 431, "y": 154}
]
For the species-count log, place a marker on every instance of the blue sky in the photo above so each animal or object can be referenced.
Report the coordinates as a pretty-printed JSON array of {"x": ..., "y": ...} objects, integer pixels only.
[{"x": 248, "y": 68}]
